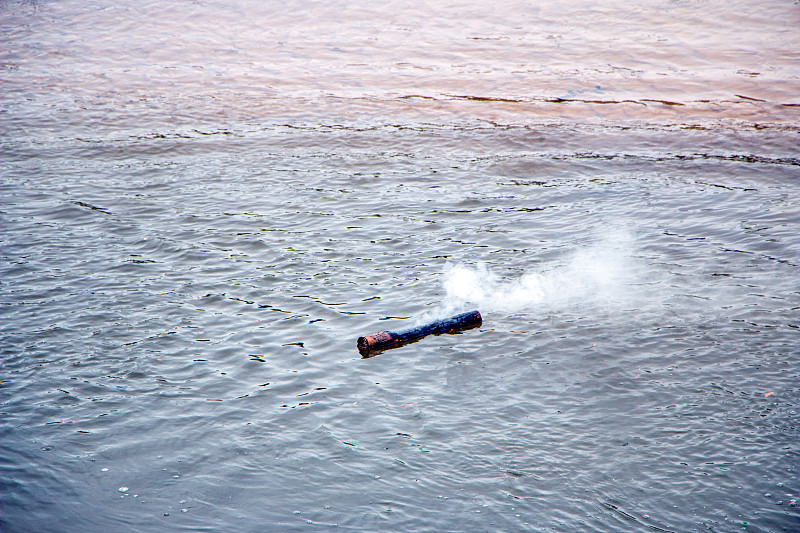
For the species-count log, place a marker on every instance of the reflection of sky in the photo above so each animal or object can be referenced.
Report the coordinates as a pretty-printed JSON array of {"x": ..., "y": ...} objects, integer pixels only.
[{"x": 260, "y": 59}]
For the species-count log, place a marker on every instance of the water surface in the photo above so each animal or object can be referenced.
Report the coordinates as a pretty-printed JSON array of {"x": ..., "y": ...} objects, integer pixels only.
[{"x": 204, "y": 204}]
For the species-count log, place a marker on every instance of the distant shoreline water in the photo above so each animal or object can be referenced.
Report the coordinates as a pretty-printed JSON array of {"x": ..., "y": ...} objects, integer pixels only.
[{"x": 112, "y": 66}]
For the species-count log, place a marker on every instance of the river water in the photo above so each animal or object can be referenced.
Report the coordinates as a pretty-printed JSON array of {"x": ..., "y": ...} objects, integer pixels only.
[{"x": 205, "y": 203}]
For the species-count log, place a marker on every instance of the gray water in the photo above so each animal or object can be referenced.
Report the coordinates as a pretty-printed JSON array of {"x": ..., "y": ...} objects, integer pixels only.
[{"x": 204, "y": 204}]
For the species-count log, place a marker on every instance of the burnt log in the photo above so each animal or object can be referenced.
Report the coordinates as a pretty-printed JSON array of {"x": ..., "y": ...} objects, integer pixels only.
[{"x": 383, "y": 340}]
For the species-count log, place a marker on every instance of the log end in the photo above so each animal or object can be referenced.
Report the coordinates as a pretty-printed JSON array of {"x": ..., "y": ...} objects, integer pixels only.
[
  {"x": 363, "y": 346},
  {"x": 376, "y": 341}
]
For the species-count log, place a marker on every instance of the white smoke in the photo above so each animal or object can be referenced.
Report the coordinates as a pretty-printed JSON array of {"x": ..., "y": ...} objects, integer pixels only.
[{"x": 604, "y": 273}]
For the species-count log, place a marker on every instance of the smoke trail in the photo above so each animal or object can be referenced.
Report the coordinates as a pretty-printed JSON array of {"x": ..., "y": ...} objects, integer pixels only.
[{"x": 602, "y": 274}]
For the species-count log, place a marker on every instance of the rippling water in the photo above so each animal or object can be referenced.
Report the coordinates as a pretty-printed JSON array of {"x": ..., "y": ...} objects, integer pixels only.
[{"x": 204, "y": 204}]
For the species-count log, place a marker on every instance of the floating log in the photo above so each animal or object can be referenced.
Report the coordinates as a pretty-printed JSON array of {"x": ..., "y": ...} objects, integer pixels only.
[{"x": 391, "y": 339}]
